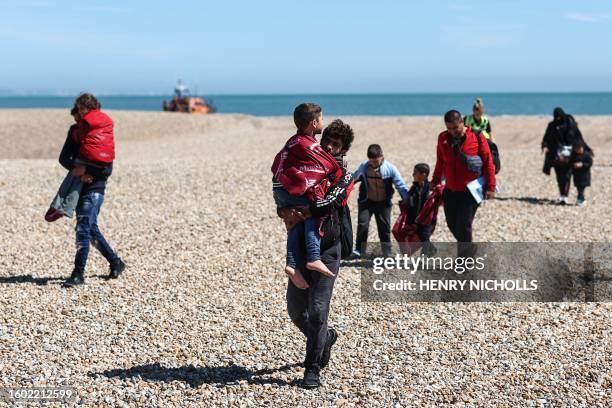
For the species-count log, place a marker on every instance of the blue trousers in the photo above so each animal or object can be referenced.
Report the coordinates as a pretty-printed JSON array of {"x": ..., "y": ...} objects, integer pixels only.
[
  {"x": 306, "y": 229},
  {"x": 87, "y": 231}
]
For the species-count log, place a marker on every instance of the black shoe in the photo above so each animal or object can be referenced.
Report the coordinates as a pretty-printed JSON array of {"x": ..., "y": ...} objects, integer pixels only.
[
  {"x": 311, "y": 378},
  {"x": 75, "y": 279},
  {"x": 332, "y": 336},
  {"x": 116, "y": 269}
]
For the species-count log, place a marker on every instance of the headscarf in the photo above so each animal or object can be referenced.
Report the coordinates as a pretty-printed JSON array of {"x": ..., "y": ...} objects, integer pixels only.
[{"x": 559, "y": 115}]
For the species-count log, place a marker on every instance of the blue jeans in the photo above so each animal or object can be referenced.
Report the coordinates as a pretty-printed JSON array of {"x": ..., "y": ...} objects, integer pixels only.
[
  {"x": 307, "y": 229},
  {"x": 87, "y": 231}
]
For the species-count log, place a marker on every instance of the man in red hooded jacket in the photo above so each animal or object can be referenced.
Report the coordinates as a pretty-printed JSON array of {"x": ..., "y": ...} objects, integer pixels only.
[{"x": 461, "y": 158}]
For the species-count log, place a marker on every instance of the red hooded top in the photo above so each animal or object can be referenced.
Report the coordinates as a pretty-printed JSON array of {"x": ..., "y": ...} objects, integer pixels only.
[
  {"x": 96, "y": 137},
  {"x": 454, "y": 169},
  {"x": 302, "y": 165}
]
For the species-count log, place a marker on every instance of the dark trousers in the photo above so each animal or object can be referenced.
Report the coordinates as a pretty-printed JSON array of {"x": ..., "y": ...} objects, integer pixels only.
[
  {"x": 564, "y": 177},
  {"x": 580, "y": 192},
  {"x": 459, "y": 209},
  {"x": 382, "y": 214},
  {"x": 87, "y": 231},
  {"x": 309, "y": 308}
]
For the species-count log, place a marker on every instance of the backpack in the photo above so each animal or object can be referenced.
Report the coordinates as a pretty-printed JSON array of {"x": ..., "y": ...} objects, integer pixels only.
[
  {"x": 494, "y": 152},
  {"x": 346, "y": 232}
]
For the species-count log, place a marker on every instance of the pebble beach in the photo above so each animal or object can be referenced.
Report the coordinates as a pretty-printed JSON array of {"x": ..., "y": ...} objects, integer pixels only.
[{"x": 199, "y": 317}]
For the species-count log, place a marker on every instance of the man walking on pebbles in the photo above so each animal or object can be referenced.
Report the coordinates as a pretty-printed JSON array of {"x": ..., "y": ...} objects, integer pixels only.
[
  {"x": 309, "y": 308},
  {"x": 92, "y": 193},
  {"x": 461, "y": 158}
]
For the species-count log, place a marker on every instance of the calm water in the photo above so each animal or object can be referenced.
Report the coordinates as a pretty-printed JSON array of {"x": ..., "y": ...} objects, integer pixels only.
[{"x": 371, "y": 104}]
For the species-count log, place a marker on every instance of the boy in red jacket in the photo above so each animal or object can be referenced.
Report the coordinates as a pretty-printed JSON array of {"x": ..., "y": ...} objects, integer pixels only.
[
  {"x": 95, "y": 135},
  {"x": 302, "y": 171}
]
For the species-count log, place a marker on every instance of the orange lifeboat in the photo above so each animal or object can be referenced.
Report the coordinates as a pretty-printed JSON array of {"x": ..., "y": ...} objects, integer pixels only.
[{"x": 184, "y": 102}]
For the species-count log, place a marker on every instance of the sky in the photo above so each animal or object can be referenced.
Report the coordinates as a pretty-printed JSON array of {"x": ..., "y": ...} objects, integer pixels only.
[{"x": 305, "y": 47}]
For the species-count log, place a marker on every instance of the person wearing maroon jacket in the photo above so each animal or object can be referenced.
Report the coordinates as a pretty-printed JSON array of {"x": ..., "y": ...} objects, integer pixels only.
[{"x": 461, "y": 158}]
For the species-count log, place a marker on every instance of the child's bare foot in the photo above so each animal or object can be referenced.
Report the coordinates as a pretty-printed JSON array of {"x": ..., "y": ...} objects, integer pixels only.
[
  {"x": 320, "y": 267},
  {"x": 296, "y": 277}
]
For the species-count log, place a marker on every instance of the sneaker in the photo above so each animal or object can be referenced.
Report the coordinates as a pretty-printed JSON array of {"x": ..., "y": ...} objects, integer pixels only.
[
  {"x": 116, "y": 269},
  {"x": 312, "y": 378},
  {"x": 355, "y": 255},
  {"x": 332, "y": 336},
  {"x": 387, "y": 249},
  {"x": 580, "y": 203},
  {"x": 562, "y": 200},
  {"x": 75, "y": 279},
  {"x": 53, "y": 215}
]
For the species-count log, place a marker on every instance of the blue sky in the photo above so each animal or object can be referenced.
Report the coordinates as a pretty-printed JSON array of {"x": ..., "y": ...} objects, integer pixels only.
[{"x": 290, "y": 46}]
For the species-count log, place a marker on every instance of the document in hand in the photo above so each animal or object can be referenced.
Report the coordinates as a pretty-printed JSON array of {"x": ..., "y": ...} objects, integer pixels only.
[{"x": 477, "y": 188}]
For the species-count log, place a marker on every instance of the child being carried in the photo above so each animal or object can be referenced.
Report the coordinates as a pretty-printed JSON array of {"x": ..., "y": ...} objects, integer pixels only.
[
  {"x": 93, "y": 150},
  {"x": 302, "y": 171}
]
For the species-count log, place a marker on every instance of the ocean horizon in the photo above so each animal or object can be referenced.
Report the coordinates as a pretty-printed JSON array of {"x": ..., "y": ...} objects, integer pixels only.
[{"x": 384, "y": 104}]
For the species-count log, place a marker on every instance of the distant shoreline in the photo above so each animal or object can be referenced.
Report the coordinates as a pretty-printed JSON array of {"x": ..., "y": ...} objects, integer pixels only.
[
  {"x": 392, "y": 104},
  {"x": 234, "y": 114}
]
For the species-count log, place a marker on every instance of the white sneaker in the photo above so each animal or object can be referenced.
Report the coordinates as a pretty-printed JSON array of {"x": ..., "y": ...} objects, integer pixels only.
[
  {"x": 581, "y": 203},
  {"x": 563, "y": 200}
]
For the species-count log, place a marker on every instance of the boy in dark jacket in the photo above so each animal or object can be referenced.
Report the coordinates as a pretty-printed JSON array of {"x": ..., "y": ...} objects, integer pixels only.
[
  {"x": 581, "y": 162},
  {"x": 417, "y": 195}
]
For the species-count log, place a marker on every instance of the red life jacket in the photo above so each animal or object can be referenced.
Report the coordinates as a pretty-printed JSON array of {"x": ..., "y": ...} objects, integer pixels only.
[
  {"x": 96, "y": 138},
  {"x": 454, "y": 169},
  {"x": 302, "y": 167}
]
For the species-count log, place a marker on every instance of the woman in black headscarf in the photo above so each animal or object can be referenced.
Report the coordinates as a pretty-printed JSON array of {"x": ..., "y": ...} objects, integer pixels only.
[{"x": 561, "y": 134}]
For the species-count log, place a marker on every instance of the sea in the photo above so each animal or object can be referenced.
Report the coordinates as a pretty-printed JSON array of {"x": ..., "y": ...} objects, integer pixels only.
[{"x": 354, "y": 104}]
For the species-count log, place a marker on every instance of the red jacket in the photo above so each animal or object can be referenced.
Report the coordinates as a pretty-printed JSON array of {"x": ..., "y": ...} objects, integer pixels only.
[
  {"x": 454, "y": 169},
  {"x": 302, "y": 167},
  {"x": 96, "y": 137}
]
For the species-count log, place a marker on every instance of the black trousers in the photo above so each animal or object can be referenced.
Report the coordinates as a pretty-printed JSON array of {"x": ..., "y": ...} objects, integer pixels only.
[
  {"x": 382, "y": 214},
  {"x": 460, "y": 209},
  {"x": 564, "y": 177},
  {"x": 309, "y": 308}
]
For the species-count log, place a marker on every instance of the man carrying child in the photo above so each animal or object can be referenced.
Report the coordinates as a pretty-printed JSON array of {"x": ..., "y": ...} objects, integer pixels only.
[
  {"x": 309, "y": 308},
  {"x": 88, "y": 154}
]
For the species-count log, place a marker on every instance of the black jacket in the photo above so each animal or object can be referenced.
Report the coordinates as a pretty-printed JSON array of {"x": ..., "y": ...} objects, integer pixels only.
[
  {"x": 417, "y": 196},
  {"x": 558, "y": 133},
  {"x": 582, "y": 175},
  {"x": 333, "y": 205}
]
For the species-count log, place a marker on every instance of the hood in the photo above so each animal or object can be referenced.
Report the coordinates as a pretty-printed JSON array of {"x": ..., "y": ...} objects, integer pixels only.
[
  {"x": 97, "y": 119},
  {"x": 559, "y": 115}
]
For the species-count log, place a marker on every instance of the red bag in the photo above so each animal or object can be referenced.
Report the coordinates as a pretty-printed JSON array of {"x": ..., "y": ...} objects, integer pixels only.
[{"x": 406, "y": 233}]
